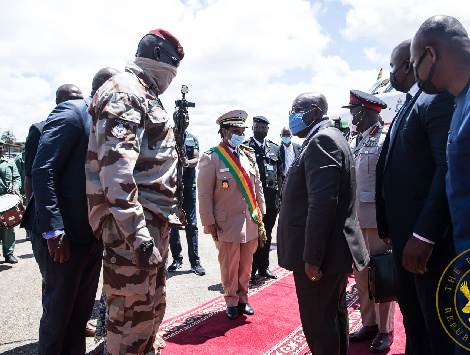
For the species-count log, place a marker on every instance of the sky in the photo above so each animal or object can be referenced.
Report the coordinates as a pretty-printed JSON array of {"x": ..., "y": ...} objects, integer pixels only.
[{"x": 254, "y": 55}]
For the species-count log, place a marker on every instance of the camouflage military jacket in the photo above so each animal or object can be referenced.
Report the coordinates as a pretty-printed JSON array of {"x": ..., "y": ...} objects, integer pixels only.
[{"x": 131, "y": 159}]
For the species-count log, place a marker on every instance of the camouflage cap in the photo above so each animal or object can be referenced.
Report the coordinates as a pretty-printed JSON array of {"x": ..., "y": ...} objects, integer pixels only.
[{"x": 235, "y": 118}]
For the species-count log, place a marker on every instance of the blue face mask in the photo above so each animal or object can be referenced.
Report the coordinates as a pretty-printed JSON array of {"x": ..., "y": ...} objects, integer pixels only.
[
  {"x": 286, "y": 140},
  {"x": 235, "y": 141},
  {"x": 296, "y": 124}
]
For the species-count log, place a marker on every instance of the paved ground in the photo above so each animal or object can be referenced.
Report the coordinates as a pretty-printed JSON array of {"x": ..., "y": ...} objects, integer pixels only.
[{"x": 20, "y": 295}]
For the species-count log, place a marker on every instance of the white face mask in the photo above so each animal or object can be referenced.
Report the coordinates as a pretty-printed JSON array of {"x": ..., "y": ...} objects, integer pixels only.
[
  {"x": 162, "y": 73},
  {"x": 236, "y": 140}
]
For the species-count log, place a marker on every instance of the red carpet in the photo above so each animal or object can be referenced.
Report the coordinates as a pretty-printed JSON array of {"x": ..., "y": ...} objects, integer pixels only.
[{"x": 275, "y": 329}]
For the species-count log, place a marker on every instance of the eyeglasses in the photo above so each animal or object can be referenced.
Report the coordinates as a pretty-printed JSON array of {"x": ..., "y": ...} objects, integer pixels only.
[{"x": 300, "y": 109}]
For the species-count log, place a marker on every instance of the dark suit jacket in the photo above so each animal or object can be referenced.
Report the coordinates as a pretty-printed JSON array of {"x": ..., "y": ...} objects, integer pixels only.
[
  {"x": 30, "y": 150},
  {"x": 269, "y": 170},
  {"x": 318, "y": 222},
  {"x": 59, "y": 172},
  {"x": 282, "y": 155},
  {"x": 410, "y": 185}
]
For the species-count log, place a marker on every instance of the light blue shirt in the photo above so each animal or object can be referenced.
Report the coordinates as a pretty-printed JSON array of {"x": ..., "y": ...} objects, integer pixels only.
[{"x": 458, "y": 173}]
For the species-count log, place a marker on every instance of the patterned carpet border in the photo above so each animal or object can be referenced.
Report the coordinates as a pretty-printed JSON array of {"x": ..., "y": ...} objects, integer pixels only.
[{"x": 189, "y": 319}]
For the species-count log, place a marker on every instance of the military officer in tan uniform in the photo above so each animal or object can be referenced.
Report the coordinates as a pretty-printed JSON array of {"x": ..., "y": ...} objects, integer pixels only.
[
  {"x": 377, "y": 319},
  {"x": 230, "y": 213},
  {"x": 131, "y": 173}
]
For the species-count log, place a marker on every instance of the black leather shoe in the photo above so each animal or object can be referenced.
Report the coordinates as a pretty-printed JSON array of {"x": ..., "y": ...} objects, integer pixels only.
[
  {"x": 246, "y": 308},
  {"x": 267, "y": 273},
  {"x": 232, "y": 312},
  {"x": 253, "y": 279},
  {"x": 382, "y": 342},
  {"x": 11, "y": 259},
  {"x": 365, "y": 333}
]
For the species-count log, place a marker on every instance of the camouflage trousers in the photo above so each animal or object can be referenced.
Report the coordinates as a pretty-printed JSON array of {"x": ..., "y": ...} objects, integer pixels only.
[{"x": 136, "y": 298}]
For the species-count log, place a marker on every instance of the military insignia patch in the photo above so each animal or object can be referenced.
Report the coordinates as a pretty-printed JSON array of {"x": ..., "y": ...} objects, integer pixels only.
[
  {"x": 119, "y": 130},
  {"x": 155, "y": 102},
  {"x": 371, "y": 143}
]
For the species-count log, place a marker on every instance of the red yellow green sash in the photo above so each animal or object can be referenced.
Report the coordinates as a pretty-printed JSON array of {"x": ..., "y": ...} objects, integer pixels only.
[{"x": 242, "y": 179}]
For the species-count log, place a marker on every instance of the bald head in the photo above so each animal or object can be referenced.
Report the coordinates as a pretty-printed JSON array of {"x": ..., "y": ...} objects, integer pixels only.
[
  {"x": 403, "y": 50},
  {"x": 67, "y": 92},
  {"x": 401, "y": 75},
  {"x": 440, "y": 28},
  {"x": 442, "y": 41},
  {"x": 101, "y": 77},
  {"x": 314, "y": 107},
  {"x": 312, "y": 98}
]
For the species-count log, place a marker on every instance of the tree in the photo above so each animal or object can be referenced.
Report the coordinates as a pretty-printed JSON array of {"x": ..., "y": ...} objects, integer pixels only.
[{"x": 9, "y": 138}]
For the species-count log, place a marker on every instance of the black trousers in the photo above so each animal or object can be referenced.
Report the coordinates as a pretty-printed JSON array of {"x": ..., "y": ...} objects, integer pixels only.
[
  {"x": 68, "y": 296},
  {"x": 417, "y": 299},
  {"x": 323, "y": 312},
  {"x": 261, "y": 255}
]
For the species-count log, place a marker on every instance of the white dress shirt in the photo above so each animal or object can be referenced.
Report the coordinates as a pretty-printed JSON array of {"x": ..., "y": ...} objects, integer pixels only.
[{"x": 288, "y": 157}]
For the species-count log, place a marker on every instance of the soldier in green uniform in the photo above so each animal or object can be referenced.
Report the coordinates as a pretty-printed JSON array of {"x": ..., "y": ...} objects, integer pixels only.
[{"x": 10, "y": 182}]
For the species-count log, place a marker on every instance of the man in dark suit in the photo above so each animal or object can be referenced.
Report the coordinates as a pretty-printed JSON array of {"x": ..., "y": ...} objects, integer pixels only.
[
  {"x": 64, "y": 92},
  {"x": 288, "y": 151},
  {"x": 267, "y": 158},
  {"x": 68, "y": 254},
  {"x": 412, "y": 211},
  {"x": 318, "y": 233},
  {"x": 441, "y": 52}
]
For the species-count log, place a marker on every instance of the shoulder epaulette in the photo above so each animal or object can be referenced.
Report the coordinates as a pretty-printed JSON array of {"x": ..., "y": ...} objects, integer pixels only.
[
  {"x": 271, "y": 142},
  {"x": 247, "y": 148},
  {"x": 209, "y": 151},
  {"x": 374, "y": 130}
]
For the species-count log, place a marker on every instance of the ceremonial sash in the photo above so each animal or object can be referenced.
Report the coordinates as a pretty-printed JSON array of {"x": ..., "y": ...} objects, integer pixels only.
[{"x": 242, "y": 179}]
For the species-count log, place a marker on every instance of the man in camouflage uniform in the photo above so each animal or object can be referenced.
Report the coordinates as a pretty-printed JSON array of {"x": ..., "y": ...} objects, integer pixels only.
[
  {"x": 10, "y": 182},
  {"x": 131, "y": 185}
]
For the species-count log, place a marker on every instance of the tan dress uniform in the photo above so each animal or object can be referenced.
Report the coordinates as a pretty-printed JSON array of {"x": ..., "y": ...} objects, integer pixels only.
[
  {"x": 366, "y": 153},
  {"x": 222, "y": 202}
]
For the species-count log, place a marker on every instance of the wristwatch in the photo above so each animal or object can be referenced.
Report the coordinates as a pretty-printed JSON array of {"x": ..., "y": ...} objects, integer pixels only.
[{"x": 146, "y": 245}]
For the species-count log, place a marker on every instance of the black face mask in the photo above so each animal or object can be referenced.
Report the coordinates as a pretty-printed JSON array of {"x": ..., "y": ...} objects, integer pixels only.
[
  {"x": 260, "y": 136},
  {"x": 426, "y": 85},
  {"x": 393, "y": 81},
  {"x": 395, "y": 84}
]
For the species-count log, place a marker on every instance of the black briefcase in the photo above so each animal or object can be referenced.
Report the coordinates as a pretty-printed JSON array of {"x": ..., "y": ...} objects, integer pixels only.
[{"x": 381, "y": 282}]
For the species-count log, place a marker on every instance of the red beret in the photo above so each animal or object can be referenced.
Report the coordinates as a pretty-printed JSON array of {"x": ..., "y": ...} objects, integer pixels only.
[{"x": 172, "y": 40}]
